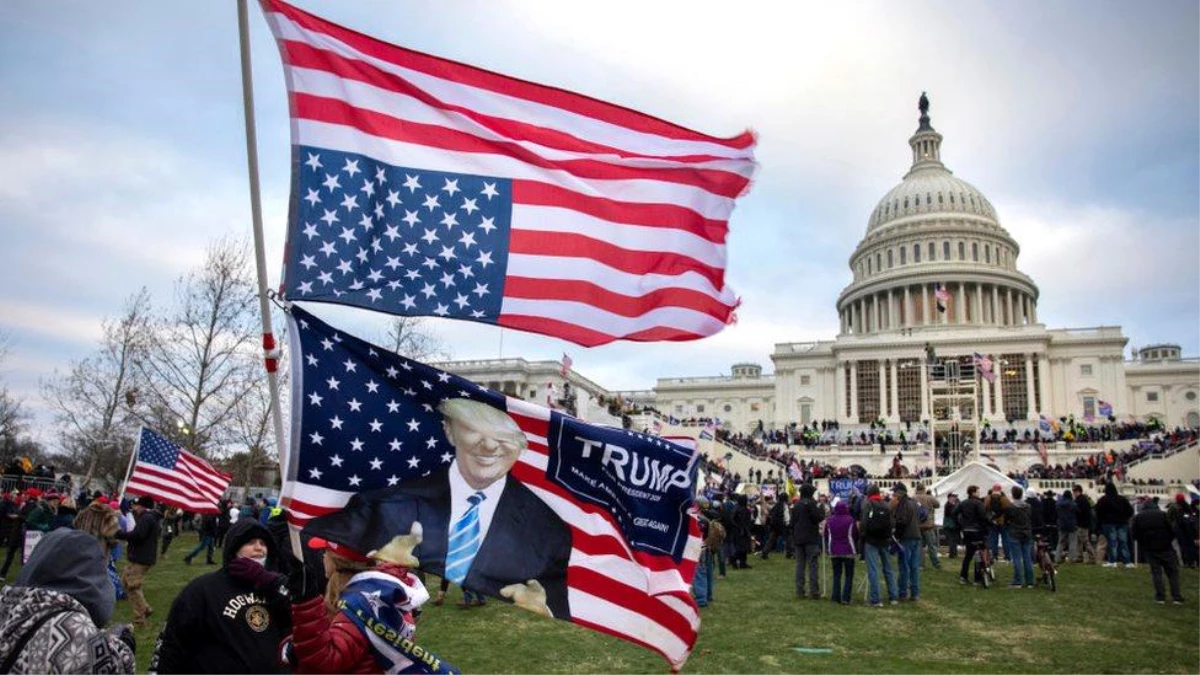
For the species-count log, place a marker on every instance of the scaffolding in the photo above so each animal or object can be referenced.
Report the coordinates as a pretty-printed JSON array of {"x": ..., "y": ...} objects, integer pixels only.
[{"x": 953, "y": 404}]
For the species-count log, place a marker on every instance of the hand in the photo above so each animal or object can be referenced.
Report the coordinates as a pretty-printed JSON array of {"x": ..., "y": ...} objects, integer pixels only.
[
  {"x": 305, "y": 582},
  {"x": 529, "y": 595},
  {"x": 400, "y": 549},
  {"x": 253, "y": 573}
]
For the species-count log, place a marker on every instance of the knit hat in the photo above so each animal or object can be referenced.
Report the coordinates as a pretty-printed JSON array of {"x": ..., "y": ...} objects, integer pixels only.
[
  {"x": 900, "y": 487},
  {"x": 146, "y": 501}
]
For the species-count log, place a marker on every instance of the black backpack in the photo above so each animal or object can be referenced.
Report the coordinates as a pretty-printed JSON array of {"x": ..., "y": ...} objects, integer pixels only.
[{"x": 878, "y": 523}]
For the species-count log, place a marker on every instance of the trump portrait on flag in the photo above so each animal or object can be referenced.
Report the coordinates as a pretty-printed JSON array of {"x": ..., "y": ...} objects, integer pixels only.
[{"x": 477, "y": 523}]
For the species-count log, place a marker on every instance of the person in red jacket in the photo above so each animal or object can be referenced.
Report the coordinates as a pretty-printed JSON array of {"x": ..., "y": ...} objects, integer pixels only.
[{"x": 329, "y": 632}]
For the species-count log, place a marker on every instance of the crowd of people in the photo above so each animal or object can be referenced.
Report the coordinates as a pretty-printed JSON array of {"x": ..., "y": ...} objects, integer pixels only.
[
  {"x": 262, "y": 610},
  {"x": 875, "y": 528}
]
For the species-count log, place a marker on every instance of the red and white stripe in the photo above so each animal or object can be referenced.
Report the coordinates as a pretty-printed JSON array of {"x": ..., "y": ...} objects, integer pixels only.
[
  {"x": 633, "y": 595},
  {"x": 619, "y": 218},
  {"x": 193, "y": 485}
]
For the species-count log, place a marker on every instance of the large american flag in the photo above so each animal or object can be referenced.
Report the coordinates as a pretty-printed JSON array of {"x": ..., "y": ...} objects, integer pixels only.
[
  {"x": 428, "y": 187},
  {"x": 172, "y": 475},
  {"x": 365, "y": 418}
]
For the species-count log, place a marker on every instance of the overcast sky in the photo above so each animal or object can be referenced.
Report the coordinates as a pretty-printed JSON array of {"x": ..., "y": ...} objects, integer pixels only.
[{"x": 122, "y": 152}]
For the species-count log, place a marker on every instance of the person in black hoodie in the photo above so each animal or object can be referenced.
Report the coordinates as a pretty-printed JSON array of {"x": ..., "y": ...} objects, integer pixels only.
[
  {"x": 1112, "y": 513},
  {"x": 974, "y": 521},
  {"x": 231, "y": 620},
  {"x": 142, "y": 554},
  {"x": 1153, "y": 533}
]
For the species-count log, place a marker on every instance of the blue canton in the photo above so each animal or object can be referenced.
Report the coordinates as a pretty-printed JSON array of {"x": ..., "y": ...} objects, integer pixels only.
[
  {"x": 368, "y": 417},
  {"x": 394, "y": 239},
  {"x": 156, "y": 450}
]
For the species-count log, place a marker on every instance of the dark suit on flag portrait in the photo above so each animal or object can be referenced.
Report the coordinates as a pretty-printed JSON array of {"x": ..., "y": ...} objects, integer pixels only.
[{"x": 481, "y": 528}]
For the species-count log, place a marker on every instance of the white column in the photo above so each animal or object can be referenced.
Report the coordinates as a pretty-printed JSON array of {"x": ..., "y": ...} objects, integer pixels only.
[
  {"x": 853, "y": 391},
  {"x": 908, "y": 307},
  {"x": 1012, "y": 317},
  {"x": 924, "y": 389},
  {"x": 986, "y": 392},
  {"x": 978, "y": 304},
  {"x": 883, "y": 390},
  {"x": 878, "y": 312},
  {"x": 925, "y": 304},
  {"x": 1000, "y": 367},
  {"x": 960, "y": 309},
  {"x": 895, "y": 391},
  {"x": 1044, "y": 381},
  {"x": 1033, "y": 309},
  {"x": 891, "y": 311},
  {"x": 996, "y": 318},
  {"x": 839, "y": 392},
  {"x": 1030, "y": 413}
]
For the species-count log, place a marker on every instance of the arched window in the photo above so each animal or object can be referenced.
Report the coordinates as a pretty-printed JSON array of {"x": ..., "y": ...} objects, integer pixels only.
[
  {"x": 932, "y": 252},
  {"x": 962, "y": 251},
  {"x": 975, "y": 251},
  {"x": 889, "y": 258},
  {"x": 987, "y": 254},
  {"x": 903, "y": 255},
  {"x": 945, "y": 250},
  {"x": 878, "y": 262},
  {"x": 916, "y": 253}
]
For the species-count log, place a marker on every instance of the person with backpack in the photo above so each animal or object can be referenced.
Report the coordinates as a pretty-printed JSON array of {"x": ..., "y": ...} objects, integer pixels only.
[
  {"x": 876, "y": 531},
  {"x": 927, "y": 506},
  {"x": 906, "y": 528},
  {"x": 776, "y": 526},
  {"x": 1182, "y": 518},
  {"x": 974, "y": 521},
  {"x": 996, "y": 504},
  {"x": 806, "y": 537}
]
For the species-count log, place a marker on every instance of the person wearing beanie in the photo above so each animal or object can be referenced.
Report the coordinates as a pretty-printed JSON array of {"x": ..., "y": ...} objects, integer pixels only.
[
  {"x": 141, "y": 555},
  {"x": 806, "y": 520},
  {"x": 907, "y": 533},
  {"x": 231, "y": 620}
]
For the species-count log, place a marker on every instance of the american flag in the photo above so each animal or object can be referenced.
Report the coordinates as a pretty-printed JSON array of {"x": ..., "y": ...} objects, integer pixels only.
[
  {"x": 941, "y": 295},
  {"x": 365, "y": 418},
  {"x": 428, "y": 187},
  {"x": 984, "y": 364},
  {"x": 174, "y": 476},
  {"x": 1106, "y": 409}
]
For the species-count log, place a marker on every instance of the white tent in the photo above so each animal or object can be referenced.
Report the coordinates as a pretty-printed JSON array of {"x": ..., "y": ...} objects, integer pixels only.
[{"x": 973, "y": 473}]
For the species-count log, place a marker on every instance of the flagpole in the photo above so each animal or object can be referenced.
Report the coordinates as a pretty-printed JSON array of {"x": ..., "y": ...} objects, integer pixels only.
[
  {"x": 137, "y": 445},
  {"x": 270, "y": 351}
]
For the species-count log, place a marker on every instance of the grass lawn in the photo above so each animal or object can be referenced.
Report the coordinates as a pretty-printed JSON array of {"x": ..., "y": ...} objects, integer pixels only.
[{"x": 1100, "y": 621}]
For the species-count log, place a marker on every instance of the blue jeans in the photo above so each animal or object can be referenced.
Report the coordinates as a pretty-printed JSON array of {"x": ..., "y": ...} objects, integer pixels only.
[
  {"x": 909, "y": 561},
  {"x": 997, "y": 536},
  {"x": 1022, "y": 560},
  {"x": 206, "y": 542},
  {"x": 1118, "y": 543},
  {"x": 843, "y": 579},
  {"x": 877, "y": 556},
  {"x": 702, "y": 582}
]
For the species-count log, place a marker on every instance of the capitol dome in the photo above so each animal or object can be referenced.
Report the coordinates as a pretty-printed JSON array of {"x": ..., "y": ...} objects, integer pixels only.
[{"x": 934, "y": 254}]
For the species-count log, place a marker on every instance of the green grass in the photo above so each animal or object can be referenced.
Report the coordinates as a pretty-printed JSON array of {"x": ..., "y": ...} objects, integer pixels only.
[{"x": 1100, "y": 621}]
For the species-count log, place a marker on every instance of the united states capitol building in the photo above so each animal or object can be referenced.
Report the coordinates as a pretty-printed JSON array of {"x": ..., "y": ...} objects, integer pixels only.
[{"x": 936, "y": 279}]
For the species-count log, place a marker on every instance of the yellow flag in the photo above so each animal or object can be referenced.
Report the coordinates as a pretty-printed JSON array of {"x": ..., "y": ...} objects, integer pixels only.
[{"x": 791, "y": 488}]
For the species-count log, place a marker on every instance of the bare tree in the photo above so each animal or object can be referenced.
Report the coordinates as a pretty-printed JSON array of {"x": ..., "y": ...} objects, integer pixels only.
[
  {"x": 411, "y": 337},
  {"x": 14, "y": 419},
  {"x": 205, "y": 358},
  {"x": 93, "y": 402}
]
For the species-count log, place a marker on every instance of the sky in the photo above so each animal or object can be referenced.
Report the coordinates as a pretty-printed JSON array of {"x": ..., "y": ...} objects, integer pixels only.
[{"x": 122, "y": 151}]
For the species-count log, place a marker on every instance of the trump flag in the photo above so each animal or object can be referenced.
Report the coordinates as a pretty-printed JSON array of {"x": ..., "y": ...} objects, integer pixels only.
[
  {"x": 423, "y": 186},
  {"x": 579, "y": 522}
]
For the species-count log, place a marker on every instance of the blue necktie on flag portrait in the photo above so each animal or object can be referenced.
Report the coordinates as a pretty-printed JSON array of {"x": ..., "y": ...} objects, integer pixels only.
[{"x": 592, "y": 522}]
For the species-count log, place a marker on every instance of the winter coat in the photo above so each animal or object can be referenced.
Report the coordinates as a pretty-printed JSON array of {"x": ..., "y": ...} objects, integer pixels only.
[
  {"x": 806, "y": 520},
  {"x": 143, "y": 538},
  {"x": 950, "y": 516},
  {"x": 971, "y": 515},
  {"x": 63, "y": 596},
  {"x": 220, "y": 624},
  {"x": 906, "y": 524},
  {"x": 1083, "y": 511},
  {"x": 841, "y": 531},
  {"x": 1151, "y": 530},
  {"x": 331, "y": 645},
  {"x": 1019, "y": 517},
  {"x": 1112, "y": 508},
  {"x": 1066, "y": 515},
  {"x": 931, "y": 505}
]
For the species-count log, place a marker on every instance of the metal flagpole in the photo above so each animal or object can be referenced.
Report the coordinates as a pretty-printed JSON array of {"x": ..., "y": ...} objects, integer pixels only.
[
  {"x": 137, "y": 445},
  {"x": 270, "y": 351}
]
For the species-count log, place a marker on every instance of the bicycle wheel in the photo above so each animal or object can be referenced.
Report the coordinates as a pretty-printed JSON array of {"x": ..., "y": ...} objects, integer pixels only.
[
  {"x": 1053, "y": 574},
  {"x": 987, "y": 576}
]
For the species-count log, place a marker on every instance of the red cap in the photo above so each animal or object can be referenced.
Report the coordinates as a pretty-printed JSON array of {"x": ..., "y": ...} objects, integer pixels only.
[
  {"x": 33, "y": 492},
  {"x": 346, "y": 552},
  {"x": 997, "y": 487}
]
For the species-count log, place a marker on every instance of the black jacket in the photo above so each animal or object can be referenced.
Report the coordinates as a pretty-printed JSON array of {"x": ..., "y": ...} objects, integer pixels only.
[
  {"x": 219, "y": 624},
  {"x": 806, "y": 521},
  {"x": 143, "y": 538},
  {"x": 1151, "y": 530},
  {"x": 1113, "y": 509},
  {"x": 972, "y": 517},
  {"x": 1083, "y": 512}
]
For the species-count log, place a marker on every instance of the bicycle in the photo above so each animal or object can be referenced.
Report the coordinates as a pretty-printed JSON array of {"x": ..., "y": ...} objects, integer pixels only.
[
  {"x": 983, "y": 568},
  {"x": 1045, "y": 563}
]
